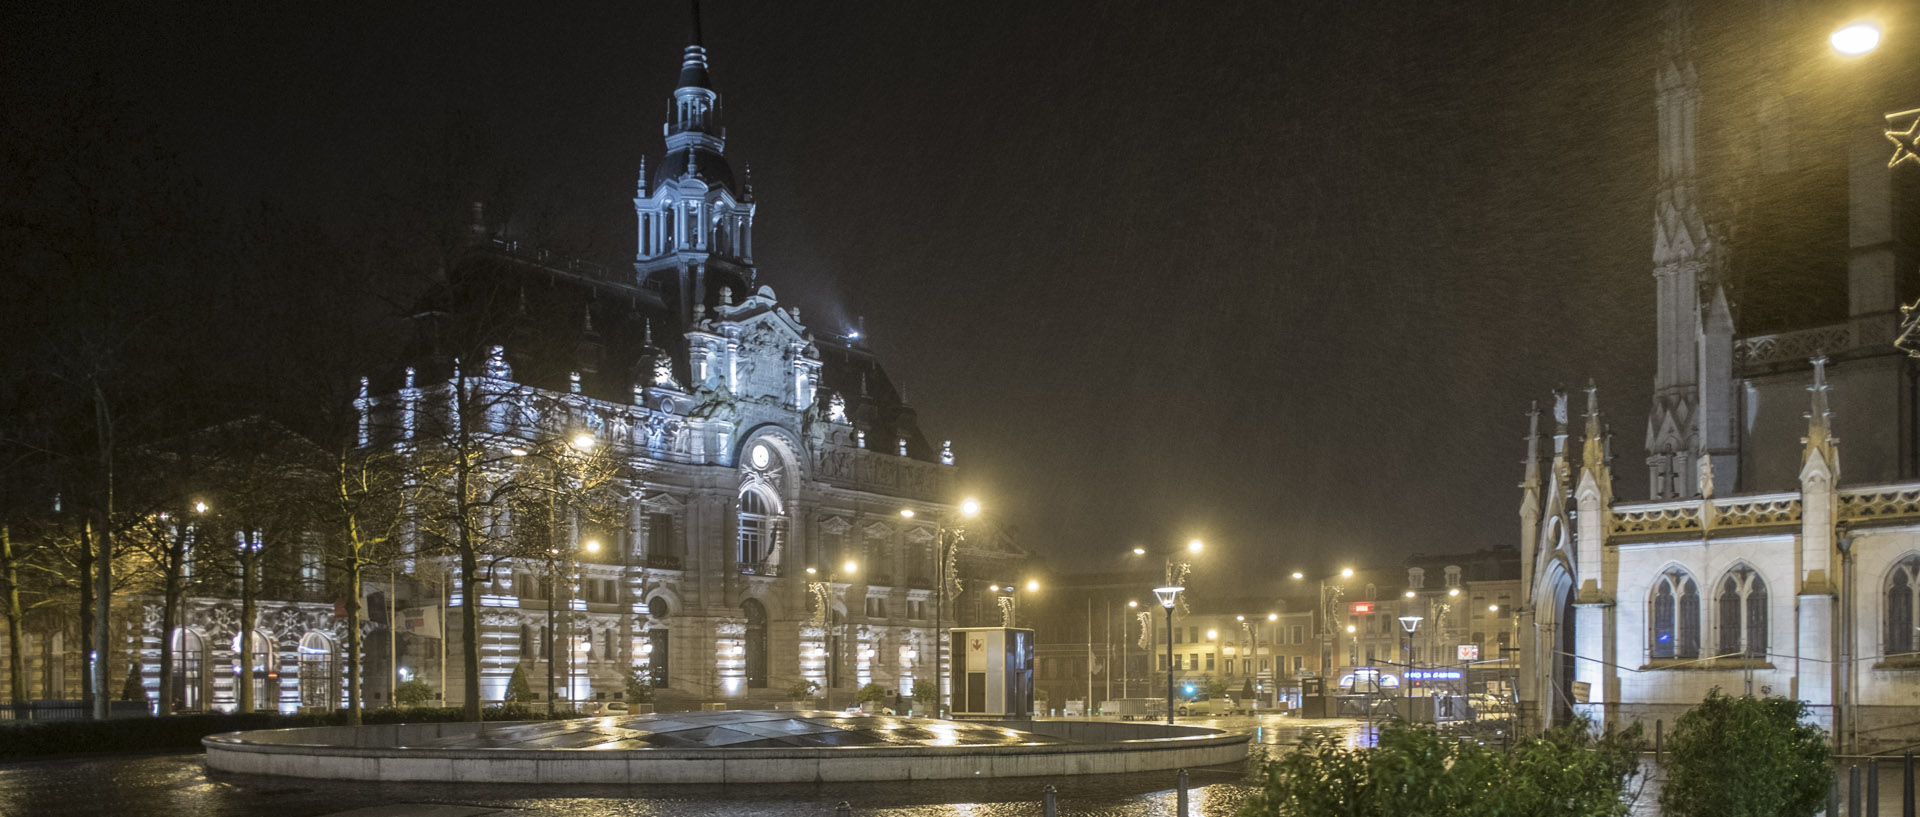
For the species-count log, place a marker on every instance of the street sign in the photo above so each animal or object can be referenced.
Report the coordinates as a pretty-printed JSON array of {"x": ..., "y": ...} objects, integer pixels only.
[
  {"x": 1361, "y": 608},
  {"x": 1581, "y": 690},
  {"x": 1469, "y": 652}
]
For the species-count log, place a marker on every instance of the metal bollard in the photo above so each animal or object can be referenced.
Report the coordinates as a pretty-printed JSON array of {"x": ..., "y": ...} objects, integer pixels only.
[
  {"x": 1053, "y": 809},
  {"x": 1659, "y": 738},
  {"x": 1906, "y": 789},
  {"x": 1873, "y": 788},
  {"x": 1833, "y": 794},
  {"x": 1180, "y": 805},
  {"x": 845, "y": 809},
  {"x": 1853, "y": 791}
]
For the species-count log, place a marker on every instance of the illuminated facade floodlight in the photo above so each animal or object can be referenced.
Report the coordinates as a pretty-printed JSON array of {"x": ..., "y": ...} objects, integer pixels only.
[
  {"x": 593, "y": 546},
  {"x": 906, "y": 513},
  {"x": 1453, "y": 591},
  {"x": 851, "y": 567},
  {"x": 1032, "y": 585},
  {"x": 1213, "y": 634},
  {"x": 1139, "y": 551},
  {"x": 1856, "y": 39},
  {"x": 582, "y": 442},
  {"x": 1195, "y": 546},
  {"x": 1273, "y": 616},
  {"x": 1411, "y": 594},
  {"x": 1346, "y": 573},
  {"x": 970, "y": 507},
  {"x": 1131, "y": 603},
  {"x": 1297, "y": 575}
]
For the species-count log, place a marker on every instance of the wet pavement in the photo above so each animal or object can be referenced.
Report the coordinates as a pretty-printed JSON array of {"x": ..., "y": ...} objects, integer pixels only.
[{"x": 179, "y": 784}]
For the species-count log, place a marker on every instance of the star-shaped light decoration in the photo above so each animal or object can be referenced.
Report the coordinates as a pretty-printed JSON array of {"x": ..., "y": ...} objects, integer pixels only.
[{"x": 1904, "y": 141}]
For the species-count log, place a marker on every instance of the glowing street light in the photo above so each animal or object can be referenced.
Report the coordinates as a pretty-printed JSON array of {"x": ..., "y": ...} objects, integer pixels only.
[
  {"x": 199, "y": 507},
  {"x": 851, "y": 566},
  {"x": 582, "y": 442},
  {"x": 1297, "y": 575},
  {"x": 1167, "y": 595},
  {"x": 906, "y": 513},
  {"x": 1856, "y": 39},
  {"x": 1195, "y": 546},
  {"x": 1033, "y": 586},
  {"x": 1346, "y": 573},
  {"x": 970, "y": 507},
  {"x": 593, "y": 546}
]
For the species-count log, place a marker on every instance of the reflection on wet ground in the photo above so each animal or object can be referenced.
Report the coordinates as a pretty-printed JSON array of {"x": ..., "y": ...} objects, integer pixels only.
[
  {"x": 739, "y": 730},
  {"x": 179, "y": 784}
]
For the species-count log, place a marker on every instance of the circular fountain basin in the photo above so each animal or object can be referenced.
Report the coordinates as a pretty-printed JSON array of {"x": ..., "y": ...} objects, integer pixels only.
[{"x": 739, "y": 746}]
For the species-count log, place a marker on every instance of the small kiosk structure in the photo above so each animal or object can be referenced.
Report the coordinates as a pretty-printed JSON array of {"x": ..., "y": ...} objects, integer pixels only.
[{"x": 993, "y": 673}]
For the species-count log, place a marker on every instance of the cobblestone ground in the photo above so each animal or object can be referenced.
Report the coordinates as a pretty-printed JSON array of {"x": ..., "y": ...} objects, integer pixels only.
[{"x": 179, "y": 784}]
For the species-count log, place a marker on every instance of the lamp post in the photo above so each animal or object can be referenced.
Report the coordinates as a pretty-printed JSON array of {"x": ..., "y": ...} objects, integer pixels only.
[
  {"x": 1409, "y": 623},
  {"x": 1125, "y": 671},
  {"x": 946, "y": 539},
  {"x": 1167, "y": 596}
]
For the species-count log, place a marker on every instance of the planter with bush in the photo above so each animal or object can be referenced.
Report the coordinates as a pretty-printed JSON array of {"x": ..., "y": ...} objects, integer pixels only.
[{"x": 1739, "y": 756}]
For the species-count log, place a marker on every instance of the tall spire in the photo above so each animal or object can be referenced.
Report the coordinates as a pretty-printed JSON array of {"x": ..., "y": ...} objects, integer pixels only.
[
  {"x": 693, "y": 63},
  {"x": 1683, "y": 254}
]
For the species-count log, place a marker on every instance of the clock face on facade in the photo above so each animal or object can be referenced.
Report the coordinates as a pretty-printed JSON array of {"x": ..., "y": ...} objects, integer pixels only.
[{"x": 761, "y": 456}]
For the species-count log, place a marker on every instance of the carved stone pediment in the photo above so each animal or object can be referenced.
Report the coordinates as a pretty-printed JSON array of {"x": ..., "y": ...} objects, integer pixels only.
[
  {"x": 878, "y": 530},
  {"x": 835, "y": 525},
  {"x": 919, "y": 536}
]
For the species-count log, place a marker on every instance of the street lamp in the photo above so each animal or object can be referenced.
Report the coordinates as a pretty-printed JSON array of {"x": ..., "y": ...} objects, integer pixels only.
[
  {"x": 1408, "y": 623},
  {"x": 1126, "y": 671},
  {"x": 1856, "y": 39},
  {"x": 1167, "y": 595},
  {"x": 947, "y": 539}
]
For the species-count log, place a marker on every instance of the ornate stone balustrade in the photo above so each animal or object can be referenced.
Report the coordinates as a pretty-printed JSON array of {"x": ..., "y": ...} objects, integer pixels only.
[
  {"x": 1880, "y": 502},
  {"x": 1795, "y": 346},
  {"x": 1662, "y": 517}
]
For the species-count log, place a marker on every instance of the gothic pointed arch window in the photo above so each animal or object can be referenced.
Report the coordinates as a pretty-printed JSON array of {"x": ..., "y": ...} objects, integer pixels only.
[
  {"x": 1675, "y": 619},
  {"x": 1903, "y": 583},
  {"x": 1741, "y": 613}
]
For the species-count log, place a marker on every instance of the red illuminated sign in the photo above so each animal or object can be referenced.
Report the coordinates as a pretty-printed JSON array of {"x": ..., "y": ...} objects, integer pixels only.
[{"x": 1362, "y": 607}]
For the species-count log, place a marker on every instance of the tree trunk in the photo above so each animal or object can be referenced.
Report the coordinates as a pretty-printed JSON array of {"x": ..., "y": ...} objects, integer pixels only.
[
  {"x": 169, "y": 610},
  {"x": 247, "y": 613},
  {"x": 87, "y": 563},
  {"x": 353, "y": 643},
  {"x": 470, "y": 628},
  {"x": 16, "y": 663},
  {"x": 103, "y": 572}
]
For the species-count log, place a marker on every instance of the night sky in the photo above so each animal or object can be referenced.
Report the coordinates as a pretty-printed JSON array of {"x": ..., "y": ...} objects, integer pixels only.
[{"x": 1283, "y": 276}]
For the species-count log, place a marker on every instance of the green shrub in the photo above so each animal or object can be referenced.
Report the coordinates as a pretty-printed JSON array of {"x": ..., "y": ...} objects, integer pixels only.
[
  {"x": 871, "y": 693},
  {"x": 925, "y": 693},
  {"x": 518, "y": 690},
  {"x": 412, "y": 693},
  {"x": 639, "y": 687},
  {"x": 1746, "y": 756},
  {"x": 1418, "y": 770},
  {"x": 802, "y": 690}
]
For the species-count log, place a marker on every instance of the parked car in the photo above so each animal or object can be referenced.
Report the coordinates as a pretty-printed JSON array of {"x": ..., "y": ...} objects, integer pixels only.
[
  {"x": 1204, "y": 704},
  {"x": 604, "y": 708}
]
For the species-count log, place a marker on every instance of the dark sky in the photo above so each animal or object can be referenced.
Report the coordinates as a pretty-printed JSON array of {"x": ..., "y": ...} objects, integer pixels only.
[{"x": 1283, "y": 276}]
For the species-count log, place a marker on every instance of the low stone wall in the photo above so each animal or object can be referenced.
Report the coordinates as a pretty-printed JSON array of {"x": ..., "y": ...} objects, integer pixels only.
[{"x": 381, "y": 753}]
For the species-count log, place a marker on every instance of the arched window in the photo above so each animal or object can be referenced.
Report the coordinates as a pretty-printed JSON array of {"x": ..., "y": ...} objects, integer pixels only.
[
  {"x": 1742, "y": 614},
  {"x": 319, "y": 686},
  {"x": 1902, "y": 583},
  {"x": 657, "y": 641},
  {"x": 756, "y": 643},
  {"x": 189, "y": 671},
  {"x": 260, "y": 651},
  {"x": 759, "y": 532},
  {"x": 1676, "y": 616}
]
